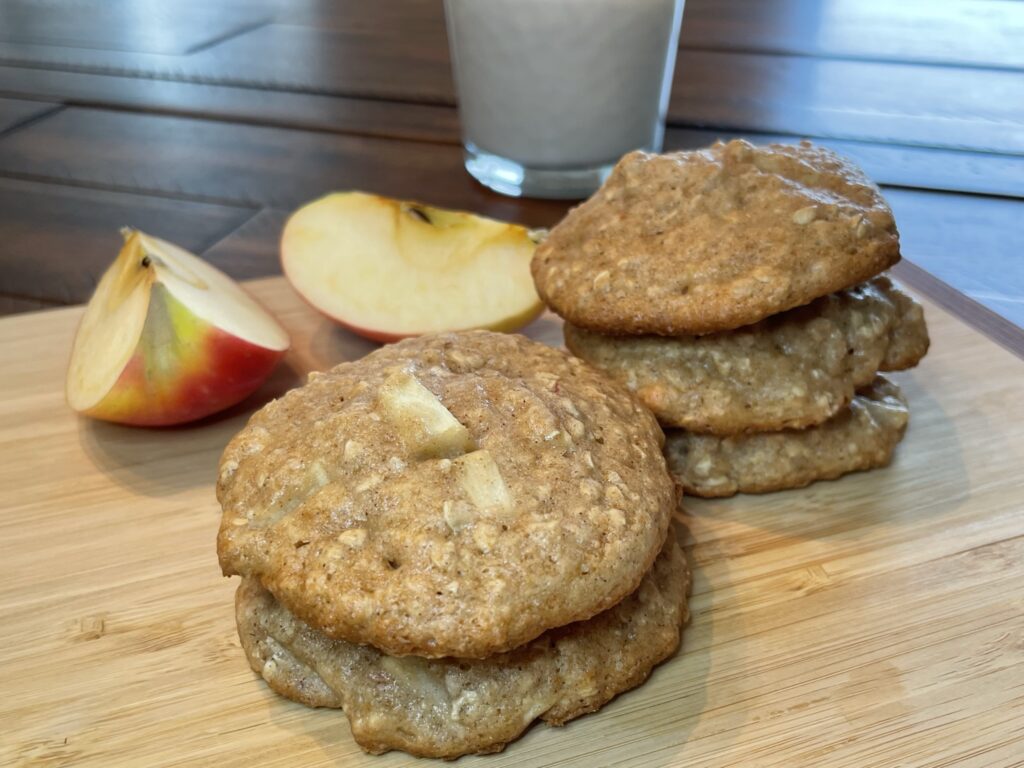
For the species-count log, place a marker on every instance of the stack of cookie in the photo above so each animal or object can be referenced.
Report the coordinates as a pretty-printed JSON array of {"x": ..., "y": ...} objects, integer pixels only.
[
  {"x": 737, "y": 291},
  {"x": 451, "y": 538}
]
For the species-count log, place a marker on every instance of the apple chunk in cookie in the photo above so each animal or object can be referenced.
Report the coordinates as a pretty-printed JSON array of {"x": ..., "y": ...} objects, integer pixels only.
[
  {"x": 428, "y": 429},
  {"x": 483, "y": 496},
  {"x": 482, "y": 481}
]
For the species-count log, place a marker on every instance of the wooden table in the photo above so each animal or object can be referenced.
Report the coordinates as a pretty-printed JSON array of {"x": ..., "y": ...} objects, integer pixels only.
[
  {"x": 876, "y": 620},
  {"x": 871, "y": 621}
]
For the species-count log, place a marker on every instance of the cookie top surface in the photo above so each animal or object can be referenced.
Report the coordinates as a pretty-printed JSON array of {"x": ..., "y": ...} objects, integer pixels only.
[
  {"x": 447, "y": 707},
  {"x": 710, "y": 240},
  {"x": 452, "y": 495},
  {"x": 862, "y": 436},
  {"x": 792, "y": 370}
]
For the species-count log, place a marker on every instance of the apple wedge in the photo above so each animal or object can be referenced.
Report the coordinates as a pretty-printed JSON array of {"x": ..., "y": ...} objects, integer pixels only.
[
  {"x": 389, "y": 269},
  {"x": 425, "y": 426},
  {"x": 167, "y": 338}
]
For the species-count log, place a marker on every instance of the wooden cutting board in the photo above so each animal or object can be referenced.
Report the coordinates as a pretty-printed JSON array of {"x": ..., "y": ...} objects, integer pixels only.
[{"x": 875, "y": 620}]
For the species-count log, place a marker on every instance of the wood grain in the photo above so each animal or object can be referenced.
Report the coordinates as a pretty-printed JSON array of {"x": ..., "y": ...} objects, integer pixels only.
[
  {"x": 335, "y": 62},
  {"x": 252, "y": 250},
  {"x": 280, "y": 169},
  {"x": 887, "y": 101},
  {"x": 982, "y": 33},
  {"x": 980, "y": 317},
  {"x": 16, "y": 112},
  {"x": 426, "y": 17},
  {"x": 387, "y": 63},
  {"x": 57, "y": 241},
  {"x": 144, "y": 26},
  {"x": 945, "y": 238},
  {"x": 896, "y": 165},
  {"x": 12, "y": 305},
  {"x": 951, "y": 107},
  {"x": 247, "y": 165},
  {"x": 874, "y": 620},
  {"x": 246, "y": 105},
  {"x": 923, "y": 167}
]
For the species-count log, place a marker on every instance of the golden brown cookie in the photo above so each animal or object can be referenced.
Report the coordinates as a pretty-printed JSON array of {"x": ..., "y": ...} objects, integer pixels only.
[
  {"x": 792, "y": 370},
  {"x": 451, "y": 707},
  {"x": 862, "y": 436},
  {"x": 710, "y": 240},
  {"x": 909, "y": 341},
  {"x": 451, "y": 495}
]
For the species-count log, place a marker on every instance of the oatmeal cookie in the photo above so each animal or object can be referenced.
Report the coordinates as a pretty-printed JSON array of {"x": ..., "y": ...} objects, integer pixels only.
[
  {"x": 452, "y": 707},
  {"x": 451, "y": 495},
  {"x": 860, "y": 437},
  {"x": 791, "y": 371},
  {"x": 714, "y": 239}
]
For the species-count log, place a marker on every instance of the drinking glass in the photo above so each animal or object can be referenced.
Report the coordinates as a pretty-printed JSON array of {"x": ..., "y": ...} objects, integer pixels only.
[{"x": 552, "y": 92}]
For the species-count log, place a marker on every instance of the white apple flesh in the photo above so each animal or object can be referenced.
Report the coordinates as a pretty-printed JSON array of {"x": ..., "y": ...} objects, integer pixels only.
[
  {"x": 426, "y": 427},
  {"x": 482, "y": 482},
  {"x": 167, "y": 338},
  {"x": 389, "y": 269}
]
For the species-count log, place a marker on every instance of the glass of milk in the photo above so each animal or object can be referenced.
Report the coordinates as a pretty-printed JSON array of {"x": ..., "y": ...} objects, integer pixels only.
[{"x": 552, "y": 92}]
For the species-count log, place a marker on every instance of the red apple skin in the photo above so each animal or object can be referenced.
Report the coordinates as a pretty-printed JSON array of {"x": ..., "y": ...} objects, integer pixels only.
[
  {"x": 381, "y": 337},
  {"x": 229, "y": 370},
  {"x": 508, "y": 325}
]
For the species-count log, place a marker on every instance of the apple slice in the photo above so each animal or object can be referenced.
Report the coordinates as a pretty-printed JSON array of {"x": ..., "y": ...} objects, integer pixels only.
[
  {"x": 481, "y": 479},
  {"x": 426, "y": 427},
  {"x": 167, "y": 338},
  {"x": 389, "y": 269}
]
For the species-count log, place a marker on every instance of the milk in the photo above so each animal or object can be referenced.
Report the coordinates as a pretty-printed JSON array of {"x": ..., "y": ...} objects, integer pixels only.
[{"x": 562, "y": 85}]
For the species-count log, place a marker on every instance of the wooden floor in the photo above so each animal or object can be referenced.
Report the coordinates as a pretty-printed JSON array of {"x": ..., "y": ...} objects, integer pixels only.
[{"x": 206, "y": 122}]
